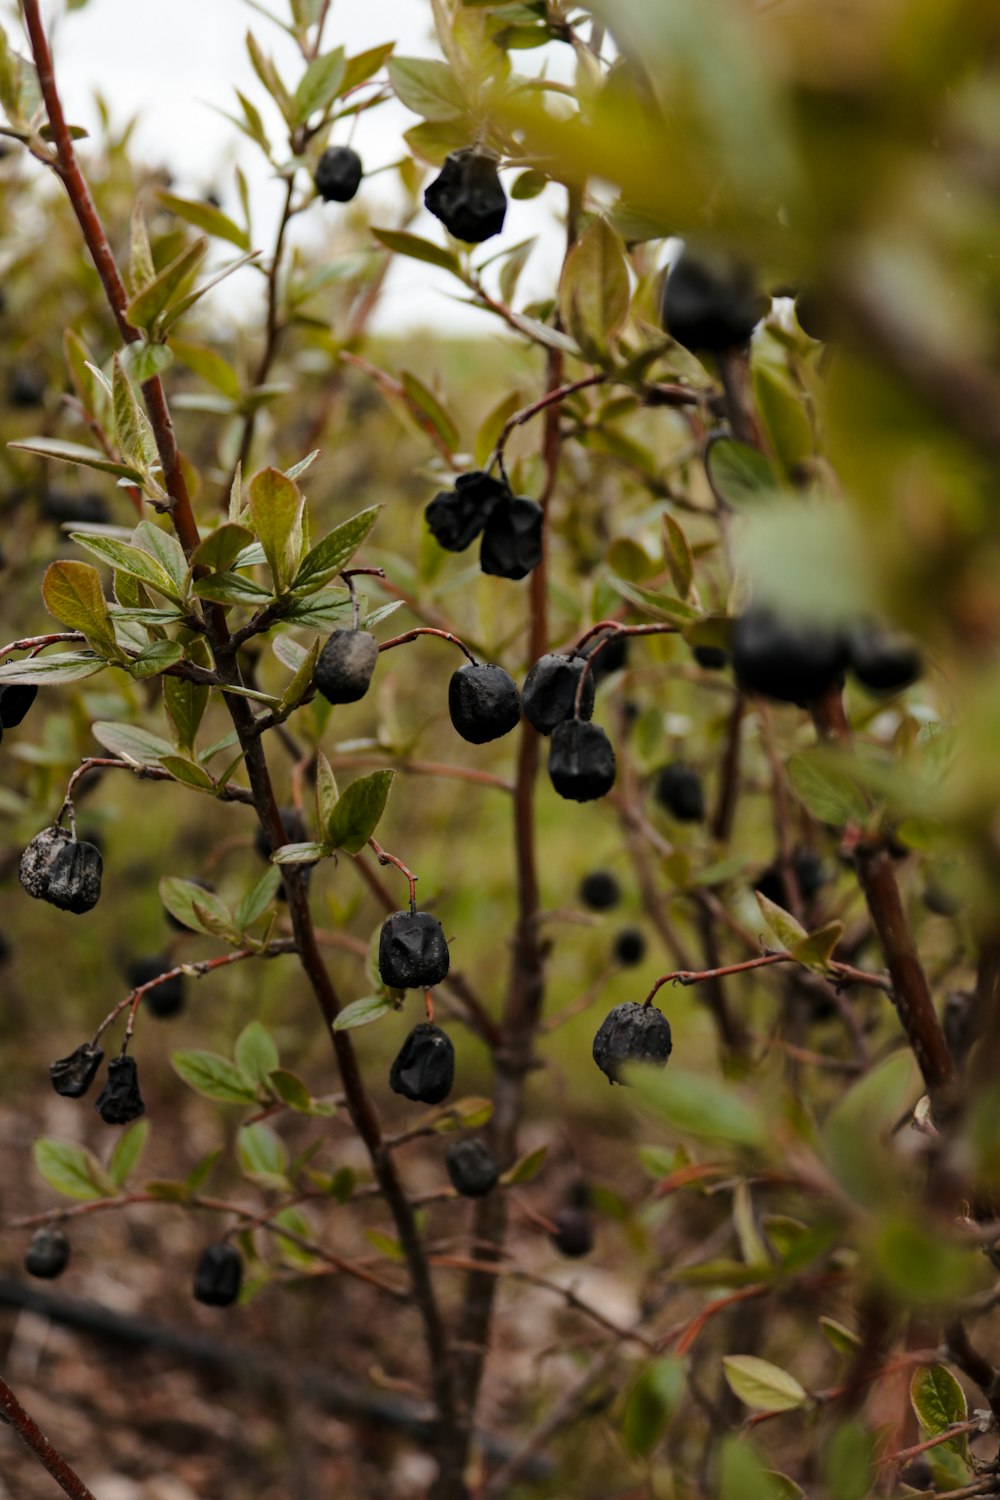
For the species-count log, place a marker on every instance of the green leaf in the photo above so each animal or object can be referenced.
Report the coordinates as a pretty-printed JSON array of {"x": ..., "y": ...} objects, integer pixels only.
[
  {"x": 761, "y": 1385},
  {"x": 73, "y": 593},
  {"x": 256, "y": 1054},
  {"x": 269, "y": 77},
  {"x": 300, "y": 854},
  {"x": 276, "y": 508},
  {"x": 209, "y": 366},
  {"x": 294, "y": 1220},
  {"x": 262, "y": 1155},
  {"x": 411, "y": 245},
  {"x": 427, "y": 87},
  {"x": 231, "y": 588},
  {"x": 301, "y": 682},
  {"x": 72, "y": 1170},
  {"x": 594, "y": 289},
  {"x": 144, "y": 309},
  {"x": 464, "y": 1114},
  {"x": 429, "y": 407},
  {"x": 177, "y": 309},
  {"x": 63, "y": 666},
  {"x": 290, "y": 1090},
  {"x": 156, "y": 658},
  {"x": 363, "y": 1012},
  {"x": 164, "y": 546},
  {"x": 214, "y": 1076},
  {"x": 77, "y": 453},
  {"x": 185, "y": 703},
  {"x": 848, "y": 1462},
  {"x": 205, "y": 216},
  {"x": 698, "y": 1105},
  {"x": 189, "y": 772},
  {"x": 651, "y": 1403},
  {"x": 364, "y": 64},
  {"x": 130, "y": 435},
  {"x": 128, "y": 1149},
  {"x": 842, "y": 1338},
  {"x": 939, "y": 1402},
  {"x": 738, "y": 473},
  {"x": 131, "y": 742},
  {"x": 825, "y": 790},
  {"x": 332, "y": 554},
  {"x": 649, "y": 602},
  {"x": 258, "y": 898},
  {"x": 189, "y": 903},
  {"x": 784, "y": 926},
  {"x": 319, "y": 85},
  {"x": 816, "y": 950},
  {"x": 680, "y": 559},
  {"x": 784, "y": 416},
  {"x": 358, "y": 811},
  {"x": 141, "y": 362},
  {"x": 140, "y": 261},
  {"x": 327, "y": 793},
  {"x": 525, "y": 1168},
  {"x": 131, "y": 560}
]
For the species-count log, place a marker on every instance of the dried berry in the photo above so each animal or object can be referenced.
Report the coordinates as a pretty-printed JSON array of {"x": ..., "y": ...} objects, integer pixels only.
[
  {"x": 456, "y": 517},
  {"x": 424, "y": 1070},
  {"x": 600, "y": 890},
  {"x": 467, "y": 196},
  {"x": 679, "y": 792},
  {"x": 119, "y": 1100},
  {"x": 709, "y": 307},
  {"x": 631, "y": 1033},
  {"x": 550, "y": 688},
  {"x": 483, "y": 702},
  {"x": 167, "y": 997},
  {"x": 345, "y": 665},
  {"x": 15, "y": 700},
  {"x": 885, "y": 661},
  {"x": 512, "y": 539},
  {"x": 204, "y": 885},
  {"x": 218, "y": 1275},
  {"x": 573, "y": 1234},
  {"x": 810, "y": 875},
  {"x": 611, "y": 658},
  {"x": 47, "y": 1255},
  {"x": 412, "y": 951},
  {"x": 785, "y": 659},
  {"x": 712, "y": 658},
  {"x": 472, "y": 1168},
  {"x": 338, "y": 174},
  {"x": 62, "y": 870},
  {"x": 72, "y": 1076},
  {"x": 581, "y": 761},
  {"x": 630, "y": 947}
]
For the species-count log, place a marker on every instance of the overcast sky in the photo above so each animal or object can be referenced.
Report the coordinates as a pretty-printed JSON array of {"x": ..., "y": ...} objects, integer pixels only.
[{"x": 171, "y": 61}]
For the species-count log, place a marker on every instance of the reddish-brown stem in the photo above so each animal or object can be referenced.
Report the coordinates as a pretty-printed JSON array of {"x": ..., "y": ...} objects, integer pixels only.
[
  {"x": 903, "y": 1455},
  {"x": 385, "y": 858},
  {"x": 734, "y": 372},
  {"x": 845, "y": 973},
  {"x": 411, "y": 635},
  {"x": 389, "y": 386},
  {"x": 551, "y": 398},
  {"x": 615, "y": 630},
  {"x": 34, "y": 1438},
  {"x": 36, "y": 643}
]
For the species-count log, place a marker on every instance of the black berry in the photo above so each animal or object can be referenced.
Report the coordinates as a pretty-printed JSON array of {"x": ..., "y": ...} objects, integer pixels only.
[
  {"x": 630, "y": 947},
  {"x": 573, "y": 1234},
  {"x": 338, "y": 174},
  {"x": 631, "y": 1033},
  {"x": 468, "y": 197},
  {"x": 810, "y": 875},
  {"x": 512, "y": 539},
  {"x": 456, "y": 517},
  {"x": 550, "y": 688},
  {"x": 712, "y": 658},
  {"x": 26, "y": 386},
  {"x": 47, "y": 1255},
  {"x": 785, "y": 659},
  {"x": 483, "y": 702},
  {"x": 707, "y": 308},
  {"x": 345, "y": 665},
  {"x": 62, "y": 870},
  {"x": 600, "y": 890},
  {"x": 15, "y": 700},
  {"x": 884, "y": 660},
  {"x": 581, "y": 761},
  {"x": 72, "y": 1076},
  {"x": 75, "y": 510},
  {"x": 424, "y": 1069},
  {"x": 120, "y": 1101},
  {"x": 167, "y": 997},
  {"x": 218, "y": 1275},
  {"x": 412, "y": 951},
  {"x": 472, "y": 1168},
  {"x": 679, "y": 792}
]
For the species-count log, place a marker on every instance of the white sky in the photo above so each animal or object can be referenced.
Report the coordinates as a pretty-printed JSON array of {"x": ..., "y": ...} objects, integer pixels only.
[{"x": 170, "y": 61}]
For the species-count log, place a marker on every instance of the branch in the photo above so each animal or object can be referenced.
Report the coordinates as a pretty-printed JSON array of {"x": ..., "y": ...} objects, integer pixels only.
[{"x": 32, "y": 1437}]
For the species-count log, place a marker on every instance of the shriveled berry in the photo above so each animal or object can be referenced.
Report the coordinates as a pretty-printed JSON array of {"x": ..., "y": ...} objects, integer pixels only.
[
  {"x": 456, "y": 517},
  {"x": 412, "y": 951},
  {"x": 630, "y": 947},
  {"x": 167, "y": 997},
  {"x": 204, "y": 885},
  {"x": 218, "y": 1275},
  {"x": 810, "y": 874},
  {"x": 610, "y": 658},
  {"x": 679, "y": 792},
  {"x": 710, "y": 306},
  {"x": 600, "y": 890},
  {"x": 120, "y": 1101},
  {"x": 62, "y": 870},
  {"x": 550, "y": 688},
  {"x": 789, "y": 660},
  {"x": 72, "y": 1076},
  {"x": 467, "y": 196},
  {"x": 884, "y": 660},
  {"x": 581, "y": 761},
  {"x": 483, "y": 702},
  {"x": 424, "y": 1069},
  {"x": 712, "y": 658},
  {"x": 345, "y": 665},
  {"x": 512, "y": 539},
  {"x": 631, "y": 1033},
  {"x": 47, "y": 1255},
  {"x": 472, "y": 1168},
  {"x": 338, "y": 174},
  {"x": 573, "y": 1234},
  {"x": 15, "y": 700}
]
